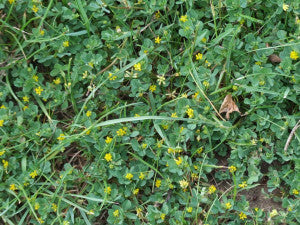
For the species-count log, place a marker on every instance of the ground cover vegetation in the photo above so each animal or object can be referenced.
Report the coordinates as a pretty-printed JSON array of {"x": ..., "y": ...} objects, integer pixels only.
[{"x": 149, "y": 112}]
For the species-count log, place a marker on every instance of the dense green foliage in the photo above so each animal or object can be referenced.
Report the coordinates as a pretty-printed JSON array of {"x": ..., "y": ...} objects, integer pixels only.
[{"x": 109, "y": 112}]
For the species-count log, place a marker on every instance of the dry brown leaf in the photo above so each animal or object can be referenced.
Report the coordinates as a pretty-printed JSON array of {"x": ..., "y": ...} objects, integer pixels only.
[
  {"x": 274, "y": 58},
  {"x": 228, "y": 106}
]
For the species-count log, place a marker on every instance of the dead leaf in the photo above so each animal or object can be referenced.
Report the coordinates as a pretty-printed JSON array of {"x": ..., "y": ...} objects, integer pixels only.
[
  {"x": 228, "y": 106},
  {"x": 274, "y": 58}
]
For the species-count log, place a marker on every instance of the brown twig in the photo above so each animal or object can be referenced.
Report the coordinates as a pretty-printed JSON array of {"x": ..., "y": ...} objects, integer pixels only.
[
  {"x": 102, "y": 71},
  {"x": 106, "y": 68},
  {"x": 291, "y": 136}
]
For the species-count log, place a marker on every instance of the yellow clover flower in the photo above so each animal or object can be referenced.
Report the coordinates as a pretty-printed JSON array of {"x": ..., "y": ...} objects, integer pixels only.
[
  {"x": 142, "y": 176},
  {"x": 199, "y": 56},
  {"x": 183, "y": 18},
  {"x": 242, "y": 216},
  {"x": 116, "y": 213},
  {"x": 54, "y": 207},
  {"x": 108, "y": 157},
  {"x": 232, "y": 169},
  {"x": 178, "y": 161},
  {"x": 228, "y": 205},
  {"x": 158, "y": 183},
  {"x": 35, "y": 8},
  {"x": 152, "y": 88},
  {"x": 5, "y": 164},
  {"x": 66, "y": 44},
  {"x": 57, "y": 81},
  {"x": 88, "y": 113},
  {"x": 211, "y": 189},
  {"x": 61, "y": 137},
  {"x": 39, "y": 90},
  {"x": 129, "y": 176},
  {"x": 138, "y": 67},
  {"x": 189, "y": 209},
  {"x": 108, "y": 140},
  {"x": 33, "y": 174},
  {"x": 294, "y": 55},
  {"x": 190, "y": 112},
  {"x": 107, "y": 190},
  {"x": 25, "y": 99},
  {"x": 295, "y": 192},
  {"x": 243, "y": 184},
  {"x": 12, "y": 187},
  {"x": 157, "y": 40},
  {"x": 135, "y": 191}
]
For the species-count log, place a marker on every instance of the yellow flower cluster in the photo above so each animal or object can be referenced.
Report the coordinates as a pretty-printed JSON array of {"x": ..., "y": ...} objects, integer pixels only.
[
  {"x": 116, "y": 213},
  {"x": 38, "y": 90},
  {"x": 178, "y": 161},
  {"x": 211, "y": 189},
  {"x": 13, "y": 187},
  {"x": 158, "y": 183},
  {"x": 139, "y": 212},
  {"x": 35, "y": 8},
  {"x": 35, "y": 78},
  {"x": 136, "y": 191},
  {"x": 108, "y": 157},
  {"x": 157, "y": 40},
  {"x": 205, "y": 84},
  {"x": 294, "y": 55},
  {"x": 242, "y": 216},
  {"x": 142, "y": 176},
  {"x": 107, "y": 190},
  {"x": 129, "y": 176},
  {"x": 138, "y": 67},
  {"x": 33, "y": 174},
  {"x": 190, "y": 112},
  {"x": 189, "y": 209},
  {"x": 54, "y": 207},
  {"x": 57, "y": 81},
  {"x": 228, "y": 205},
  {"x": 5, "y": 163},
  {"x": 36, "y": 206},
  {"x": 174, "y": 115},
  {"x": 232, "y": 169},
  {"x": 122, "y": 131},
  {"x": 199, "y": 56},
  {"x": 61, "y": 137},
  {"x": 88, "y": 113},
  {"x": 243, "y": 184},
  {"x": 25, "y": 99},
  {"x": 111, "y": 77},
  {"x": 152, "y": 88},
  {"x": 66, "y": 44},
  {"x": 108, "y": 140},
  {"x": 183, "y": 18}
]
